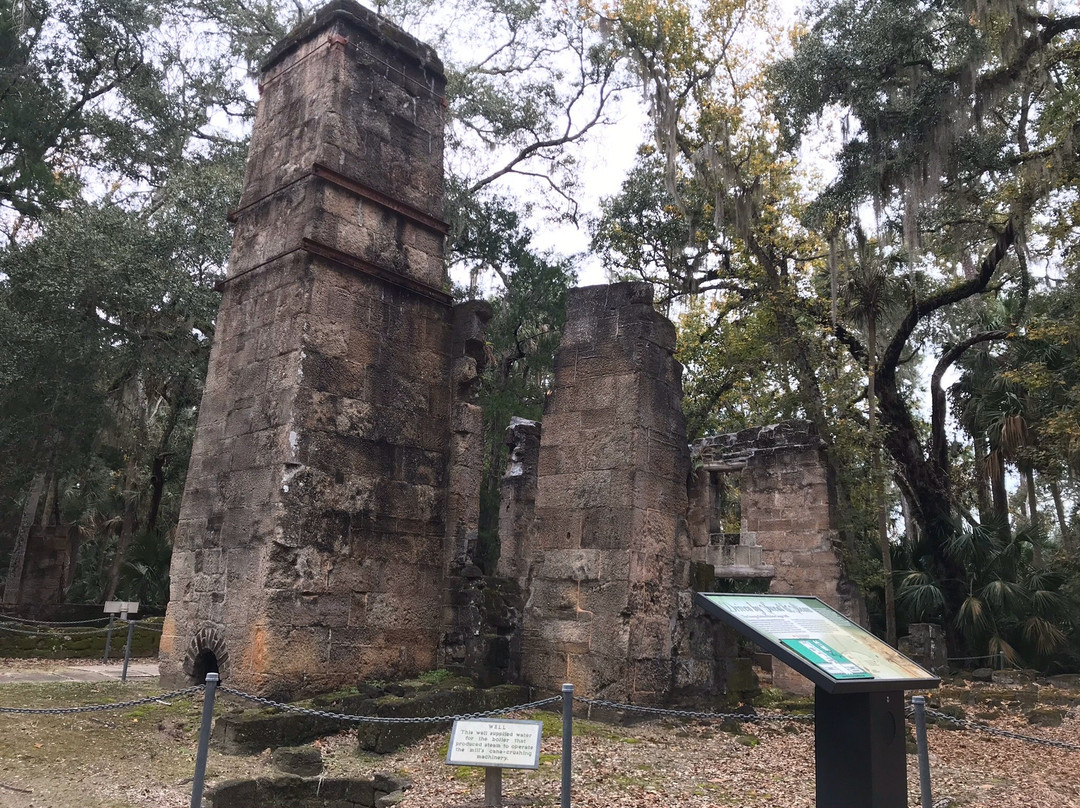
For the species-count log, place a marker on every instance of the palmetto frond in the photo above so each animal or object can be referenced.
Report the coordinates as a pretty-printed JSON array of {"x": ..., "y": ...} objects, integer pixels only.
[
  {"x": 974, "y": 617},
  {"x": 1048, "y": 604},
  {"x": 1004, "y": 596},
  {"x": 999, "y": 645},
  {"x": 921, "y": 595},
  {"x": 1045, "y": 637}
]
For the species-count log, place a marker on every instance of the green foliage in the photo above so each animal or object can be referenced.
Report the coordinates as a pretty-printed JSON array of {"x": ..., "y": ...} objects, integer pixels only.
[
  {"x": 527, "y": 317},
  {"x": 1010, "y": 605},
  {"x": 106, "y": 319},
  {"x": 100, "y": 91},
  {"x": 434, "y": 677}
]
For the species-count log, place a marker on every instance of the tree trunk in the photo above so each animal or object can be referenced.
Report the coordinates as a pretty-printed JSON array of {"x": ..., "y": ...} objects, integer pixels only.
[
  {"x": 127, "y": 528},
  {"x": 1001, "y": 496},
  {"x": 886, "y": 558},
  {"x": 931, "y": 502},
  {"x": 879, "y": 484},
  {"x": 50, "y": 512},
  {"x": 18, "y": 552},
  {"x": 157, "y": 490},
  {"x": 1059, "y": 507},
  {"x": 982, "y": 492},
  {"x": 911, "y": 528},
  {"x": 1033, "y": 516}
]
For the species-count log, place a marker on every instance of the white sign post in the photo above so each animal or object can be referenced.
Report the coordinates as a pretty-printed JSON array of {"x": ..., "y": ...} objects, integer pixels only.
[
  {"x": 495, "y": 745},
  {"x": 124, "y": 608}
]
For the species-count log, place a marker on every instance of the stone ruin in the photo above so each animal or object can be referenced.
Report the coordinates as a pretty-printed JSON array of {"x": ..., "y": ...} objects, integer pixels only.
[{"x": 329, "y": 522}]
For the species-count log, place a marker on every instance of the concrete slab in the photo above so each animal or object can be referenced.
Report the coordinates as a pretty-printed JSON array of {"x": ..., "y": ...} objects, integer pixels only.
[{"x": 84, "y": 672}]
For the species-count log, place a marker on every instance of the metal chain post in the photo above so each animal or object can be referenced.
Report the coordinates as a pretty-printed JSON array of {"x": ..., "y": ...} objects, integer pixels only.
[
  {"x": 567, "y": 741},
  {"x": 199, "y": 779},
  {"x": 108, "y": 640},
  {"x": 919, "y": 704},
  {"x": 127, "y": 650}
]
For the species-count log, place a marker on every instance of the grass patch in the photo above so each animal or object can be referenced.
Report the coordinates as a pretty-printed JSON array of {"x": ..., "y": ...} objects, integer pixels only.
[
  {"x": 773, "y": 698},
  {"x": 434, "y": 677}
]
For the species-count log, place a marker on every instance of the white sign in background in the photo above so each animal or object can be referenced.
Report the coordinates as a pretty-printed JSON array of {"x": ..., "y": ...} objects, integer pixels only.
[{"x": 507, "y": 744}]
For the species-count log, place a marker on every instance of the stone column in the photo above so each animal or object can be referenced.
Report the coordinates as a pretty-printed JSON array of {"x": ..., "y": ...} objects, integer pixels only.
[
  {"x": 310, "y": 547},
  {"x": 609, "y": 541},
  {"x": 517, "y": 497},
  {"x": 466, "y": 472}
]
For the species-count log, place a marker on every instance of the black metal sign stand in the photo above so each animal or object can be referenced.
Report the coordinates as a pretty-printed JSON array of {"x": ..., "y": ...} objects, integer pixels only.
[
  {"x": 859, "y": 749},
  {"x": 858, "y": 721}
]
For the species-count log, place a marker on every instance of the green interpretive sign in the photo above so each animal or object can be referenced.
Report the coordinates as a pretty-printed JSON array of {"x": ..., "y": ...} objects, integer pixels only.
[
  {"x": 859, "y": 683},
  {"x": 819, "y": 642}
]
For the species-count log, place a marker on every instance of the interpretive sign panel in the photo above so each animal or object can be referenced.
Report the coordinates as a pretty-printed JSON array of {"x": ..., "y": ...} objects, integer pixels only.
[
  {"x": 833, "y": 652},
  {"x": 506, "y": 744}
]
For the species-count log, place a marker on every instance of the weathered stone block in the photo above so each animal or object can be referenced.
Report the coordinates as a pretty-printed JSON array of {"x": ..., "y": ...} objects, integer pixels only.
[
  {"x": 616, "y": 394},
  {"x": 305, "y": 761}
]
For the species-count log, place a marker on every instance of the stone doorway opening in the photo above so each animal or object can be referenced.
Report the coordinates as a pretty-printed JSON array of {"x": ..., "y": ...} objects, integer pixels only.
[{"x": 205, "y": 662}]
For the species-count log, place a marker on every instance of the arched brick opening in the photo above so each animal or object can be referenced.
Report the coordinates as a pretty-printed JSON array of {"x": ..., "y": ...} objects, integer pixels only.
[{"x": 206, "y": 653}]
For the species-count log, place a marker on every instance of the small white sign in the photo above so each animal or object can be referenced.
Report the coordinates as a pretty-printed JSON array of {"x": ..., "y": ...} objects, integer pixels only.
[
  {"x": 121, "y": 607},
  {"x": 505, "y": 744}
]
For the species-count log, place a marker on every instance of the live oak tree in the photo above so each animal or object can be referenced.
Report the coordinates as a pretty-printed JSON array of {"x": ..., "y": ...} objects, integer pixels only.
[
  {"x": 114, "y": 178},
  {"x": 961, "y": 137},
  {"x": 956, "y": 170}
]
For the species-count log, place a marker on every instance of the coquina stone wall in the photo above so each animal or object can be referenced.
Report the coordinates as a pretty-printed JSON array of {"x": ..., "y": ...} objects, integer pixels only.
[
  {"x": 311, "y": 547},
  {"x": 788, "y": 537},
  {"x": 607, "y": 554},
  {"x": 788, "y": 530}
]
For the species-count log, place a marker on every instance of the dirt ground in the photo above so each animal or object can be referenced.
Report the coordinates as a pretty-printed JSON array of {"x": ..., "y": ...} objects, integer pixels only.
[{"x": 143, "y": 757}]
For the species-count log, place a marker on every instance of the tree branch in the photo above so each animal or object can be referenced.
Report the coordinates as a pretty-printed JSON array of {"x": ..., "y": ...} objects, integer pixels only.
[
  {"x": 890, "y": 358},
  {"x": 938, "y": 445}
]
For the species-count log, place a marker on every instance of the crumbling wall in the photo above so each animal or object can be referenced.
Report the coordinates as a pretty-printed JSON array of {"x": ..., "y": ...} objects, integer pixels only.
[
  {"x": 788, "y": 534},
  {"x": 517, "y": 497},
  {"x": 311, "y": 542},
  {"x": 788, "y": 528},
  {"x": 469, "y": 357},
  {"x": 608, "y": 555}
]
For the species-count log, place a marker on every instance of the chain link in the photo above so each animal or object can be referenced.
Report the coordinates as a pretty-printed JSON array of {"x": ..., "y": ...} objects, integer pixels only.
[
  {"x": 614, "y": 705},
  {"x": 1004, "y": 733},
  {"x": 375, "y": 719},
  {"x": 97, "y": 708}
]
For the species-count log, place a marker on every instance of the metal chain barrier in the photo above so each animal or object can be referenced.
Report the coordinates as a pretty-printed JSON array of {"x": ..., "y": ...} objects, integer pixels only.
[
  {"x": 79, "y": 632},
  {"x": 375, "y": 719},
  {"x": 73, "y": 632},
  {"x": 97, "y": 708},
  {"x": 614, "y": 705},
  {"x": 1003, "y": 733},
  {"x": 27, "y": 620}
]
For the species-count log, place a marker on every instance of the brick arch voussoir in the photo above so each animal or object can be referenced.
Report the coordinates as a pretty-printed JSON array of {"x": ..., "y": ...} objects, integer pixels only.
[{"x": 209, "y": 639}]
